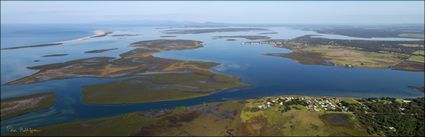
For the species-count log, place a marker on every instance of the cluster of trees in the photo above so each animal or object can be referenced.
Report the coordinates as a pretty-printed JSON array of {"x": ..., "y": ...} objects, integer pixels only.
[
  {"x": 287, "y": 105},
  {"x": 388, "y": 117}
]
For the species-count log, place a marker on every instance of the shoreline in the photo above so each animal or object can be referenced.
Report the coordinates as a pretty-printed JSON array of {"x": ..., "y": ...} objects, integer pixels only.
[
  {"x": 245, "y": 107},
  {"x": 97, "y": 33},
  {"x": 310, "y": 50}
]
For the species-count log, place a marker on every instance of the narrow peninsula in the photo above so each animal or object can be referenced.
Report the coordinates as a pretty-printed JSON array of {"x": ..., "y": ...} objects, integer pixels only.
[{"x": 17, "y": 106}]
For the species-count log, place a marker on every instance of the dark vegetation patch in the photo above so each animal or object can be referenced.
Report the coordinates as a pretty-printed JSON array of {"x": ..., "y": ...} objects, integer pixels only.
[
  {"x": 388, "y": 117},
  {"x": 410, "y": 65},
  {"x": 185, "y": 117},
  {"x": 54, "y": 55},
  {"x": 33, "y": 46},
  {"x": 168, "y": 44},
  {"x": 337, "y": 119},
  {"x": 100, "y": 50},
  {"x": 169, "y": 36},
  {"x": 255, "y": 126},
  {"x": 168, "y": 122},
  {"x": 303, "y": 57}
]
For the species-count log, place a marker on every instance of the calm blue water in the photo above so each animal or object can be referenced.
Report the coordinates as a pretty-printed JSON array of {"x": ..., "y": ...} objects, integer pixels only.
[
  {"x": 22, "y": 35},
  {"x": 266, "y": 75}
]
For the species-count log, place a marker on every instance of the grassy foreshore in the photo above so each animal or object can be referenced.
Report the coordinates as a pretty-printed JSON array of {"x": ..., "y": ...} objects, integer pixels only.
[
  {"x": 22, "y": 105},
  {"x": 269, "y": 116},
  {"x": 400, "y": 55}
]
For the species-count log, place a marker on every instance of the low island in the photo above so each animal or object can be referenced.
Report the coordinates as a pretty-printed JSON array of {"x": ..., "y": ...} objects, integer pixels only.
[
  {"x": 125, "y": 35},
  {"x": 158, "y": 87},
  {"x": 200, "y": 31},
  {"x": 100, "y": 50},
  {"x": 272, "y": 32},
  {"x": 54, "y": 55},
  {"x": 34, "y": 46},
  {"x": 161, "y": 79},
  {"x": 168, "y": 36},
  {"x": 249, "y": 37},
  {"x": 17, "y": 106}
]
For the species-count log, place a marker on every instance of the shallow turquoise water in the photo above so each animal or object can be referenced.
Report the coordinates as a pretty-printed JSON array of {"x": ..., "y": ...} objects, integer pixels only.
[{"x": 267, "y": 75}]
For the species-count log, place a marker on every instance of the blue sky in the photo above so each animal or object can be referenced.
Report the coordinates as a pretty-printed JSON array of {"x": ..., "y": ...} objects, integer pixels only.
[{"x": 268, "y": 12}]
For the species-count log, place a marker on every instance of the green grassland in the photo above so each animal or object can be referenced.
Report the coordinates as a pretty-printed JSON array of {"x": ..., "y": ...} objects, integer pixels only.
[
  {"x": 297, "y": 122},
  {"x": 419, "y": 52},
  {"x": 341, "y": 56},
  {"x": 417, "y": 56},
  {"x": 349, "y": 100},
  {"x": 417, "y": 59}
]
